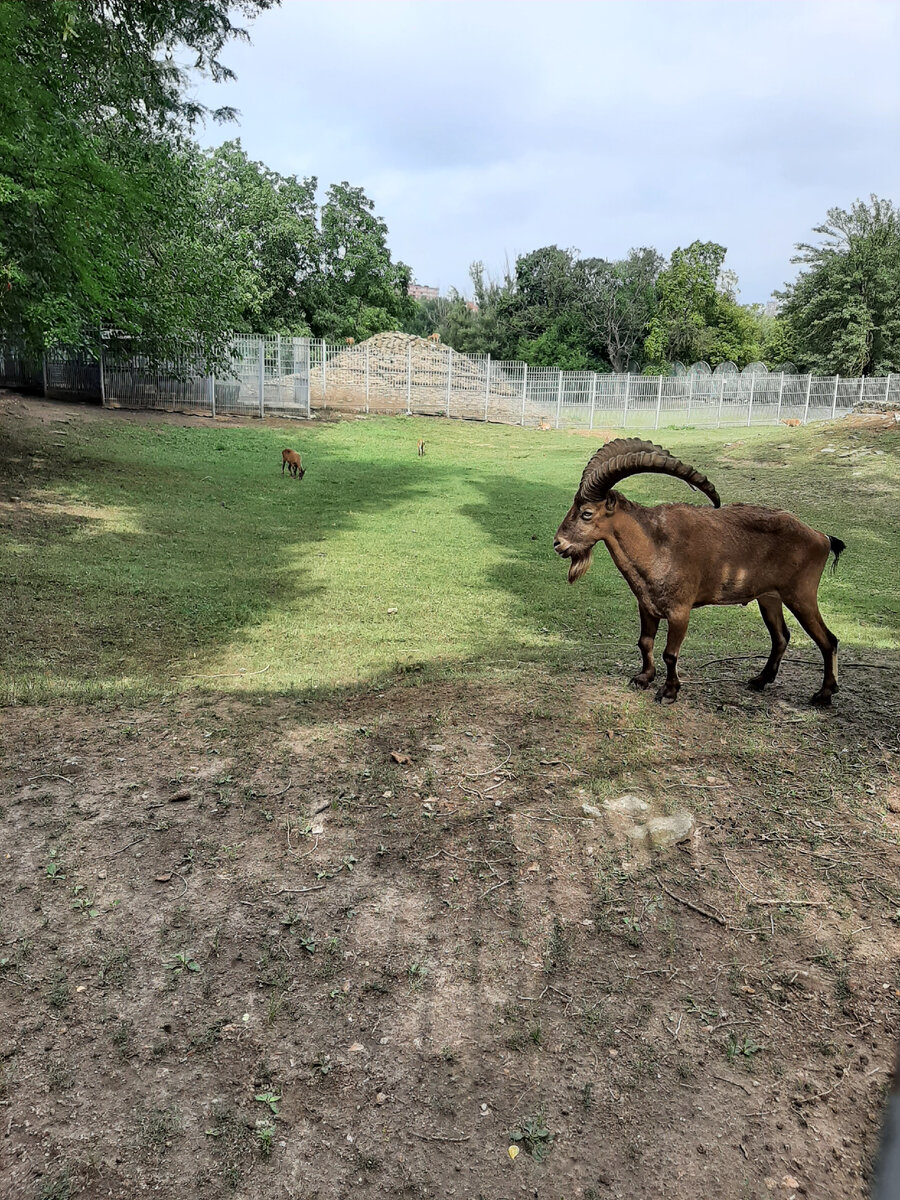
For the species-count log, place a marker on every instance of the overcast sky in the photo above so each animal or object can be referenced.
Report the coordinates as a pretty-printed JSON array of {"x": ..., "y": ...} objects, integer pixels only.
[{"x": 483, "y": 130}]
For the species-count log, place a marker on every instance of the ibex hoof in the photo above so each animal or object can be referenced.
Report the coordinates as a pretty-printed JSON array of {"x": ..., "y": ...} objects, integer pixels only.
[
  {"x": 640, "y": 681},
  {"x": 757, "y": 683},
  {"x": 664, "y": 697},
  {"x": 821, "y": 699}
]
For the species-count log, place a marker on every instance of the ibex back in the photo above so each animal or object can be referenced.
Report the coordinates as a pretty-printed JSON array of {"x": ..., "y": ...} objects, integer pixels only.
[{"x": 677, "y": 557}]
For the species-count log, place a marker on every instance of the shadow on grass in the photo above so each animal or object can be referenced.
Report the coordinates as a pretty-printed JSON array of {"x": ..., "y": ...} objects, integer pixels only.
[{"x": 119, "y": 567}]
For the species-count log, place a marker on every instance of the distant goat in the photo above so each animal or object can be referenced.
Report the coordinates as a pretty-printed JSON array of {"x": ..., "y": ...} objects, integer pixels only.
[
  {"x": 421, "y": 448},
  {"x": 291, "y": 460},
  {"x": 434, "y": 337},
  {"x": 350, "y": 341},
  {"x": 791, "y": 421},
  {"x": 677, "y": 557}
]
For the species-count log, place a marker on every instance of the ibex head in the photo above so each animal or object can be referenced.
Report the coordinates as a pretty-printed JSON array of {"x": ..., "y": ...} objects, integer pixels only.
[{"x": 591, "y": 518}]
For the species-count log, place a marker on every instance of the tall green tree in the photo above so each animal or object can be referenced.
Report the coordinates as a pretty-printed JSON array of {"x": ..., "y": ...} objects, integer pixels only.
[
  {"x": 100, "y": 190},
  {"x": 844, "y": 306},
  {"x": 358, "y": 289},
  {"x": 266, "y": 229},
  {"x": 619, "y": 302}
]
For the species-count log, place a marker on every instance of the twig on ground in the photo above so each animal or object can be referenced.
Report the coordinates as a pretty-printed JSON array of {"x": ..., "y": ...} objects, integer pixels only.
[
  {"x": 734, "y": 1083},
  {"x": 226, "y": 674},
  {"x": 275, "y": 795},
  {"x": 293, "y": 891},
  {"x": 755, "y": 899},
  {"x": 124, "y": 848},
  {"x": 491, "y": 770},
  {"x": 711, "y": 916},
  {"x": 502, "y": 883},
  {"x": 64, "y": 778},
  {"x": 437, "y": 1137},
  {"x": 820, "y": 1095}
]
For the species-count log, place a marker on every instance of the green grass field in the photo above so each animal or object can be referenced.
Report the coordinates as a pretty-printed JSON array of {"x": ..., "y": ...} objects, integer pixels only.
[{"x": 143, "y": 557}]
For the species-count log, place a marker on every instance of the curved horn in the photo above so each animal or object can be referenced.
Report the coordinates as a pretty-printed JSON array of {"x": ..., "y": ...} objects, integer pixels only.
[{"x": 632, "y": 456}]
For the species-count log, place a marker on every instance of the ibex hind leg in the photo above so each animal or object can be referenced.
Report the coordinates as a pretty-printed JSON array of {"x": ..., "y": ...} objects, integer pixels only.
[
  {"x": 773, "y": 616},
  {"x": 807, "y": 613}
]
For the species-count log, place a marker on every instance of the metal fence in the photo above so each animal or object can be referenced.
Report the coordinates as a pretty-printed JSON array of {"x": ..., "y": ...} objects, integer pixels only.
[{"x": 396, "y": 373}]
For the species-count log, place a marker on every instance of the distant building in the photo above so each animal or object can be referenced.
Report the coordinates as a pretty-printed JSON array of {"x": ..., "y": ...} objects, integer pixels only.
[{"x": 419, "y": 291}]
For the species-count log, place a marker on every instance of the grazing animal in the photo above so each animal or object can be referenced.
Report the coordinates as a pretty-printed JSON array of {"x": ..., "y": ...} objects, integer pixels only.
[
  {"x": 421, "y": 448},
  {"x": 291, "y": 460},
  {"x": 350, "y": 341},
  {"x": 544, "y": 424},
  {"x": 434, "y": 337},
  {"x": 677, "y": 557},
  {"x": 791, "y": 421}
]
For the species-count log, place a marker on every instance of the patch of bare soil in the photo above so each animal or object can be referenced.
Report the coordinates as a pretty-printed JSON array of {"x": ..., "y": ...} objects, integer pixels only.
[{"x": 245, "y": 951}]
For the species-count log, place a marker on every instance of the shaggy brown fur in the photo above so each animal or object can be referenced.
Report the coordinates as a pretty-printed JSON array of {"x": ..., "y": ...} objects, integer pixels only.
[
  {"x": 421, "y": 449},
  {"x": 677, "y": 557},
  {"x": 291, "y": 460}
]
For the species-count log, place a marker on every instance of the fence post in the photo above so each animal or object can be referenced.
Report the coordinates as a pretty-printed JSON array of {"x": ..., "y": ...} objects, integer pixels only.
[
  {"x": 524, "y": 391},
  {"x": 721, "y": 398},
  {"x": 261, "y": 376},
  {"x": 324, "y": 379},
  {"x": 307, "y": 373},
  {"x": 211, "y": 394},
  {"x": 487, "y": 387},
  {"x": 690, "y": 394},
  {"x": 809, "y": 389},
  {"x": 627, "y": 393},
  {"x": 658, "y": 402},
  {"x": 780, "y": 395},
  {"x": 558, "y": 398},
  {"x": 449, "y": 376},
  {"x": 887, "y": 387},
  {"x": 278, "y": 353},
  {"x": 44, "y": 370},
  {"x": 593, "y": 398},
  {"x": 408, "y": 378},
  {"x": 102, "y": 378},
  {"x": 752, "y": 386},
  {"x": 862, "y": 381},
  {"x": 367, "y": 376}
]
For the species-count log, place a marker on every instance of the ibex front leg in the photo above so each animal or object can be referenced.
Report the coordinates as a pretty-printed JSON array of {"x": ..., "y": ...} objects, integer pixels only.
[
  {"x": 668, "y": 693},
  {"x": 649, "y": 626}
]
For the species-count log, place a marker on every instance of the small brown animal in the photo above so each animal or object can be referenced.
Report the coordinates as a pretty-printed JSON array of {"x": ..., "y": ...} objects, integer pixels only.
[
  {"x": 434, "y": 337},
  {"x": 421, "y": 448},
  {"x": 291, "y": 460},
  {"x": 350, "y": 341},
  {"x": 791, "y": 421}
]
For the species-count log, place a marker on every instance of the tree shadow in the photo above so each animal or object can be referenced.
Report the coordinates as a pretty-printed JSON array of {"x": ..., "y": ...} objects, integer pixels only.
[{"x": 122, "y": 560}]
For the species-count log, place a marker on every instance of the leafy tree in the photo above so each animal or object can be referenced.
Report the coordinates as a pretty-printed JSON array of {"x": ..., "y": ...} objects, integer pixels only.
[
  {"x": 844, "y": 308},
  {"x": 358, "y": 290},
  {"x": 99, "y": 188},
  {"x": 267, "y": 232},
  {"x": 620, "y": 301},
  {"x": 688, "y": 304}
]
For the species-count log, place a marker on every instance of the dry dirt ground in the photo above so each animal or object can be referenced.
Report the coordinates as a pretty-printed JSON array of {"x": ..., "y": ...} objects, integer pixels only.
[{"x": 244, "y": 951}]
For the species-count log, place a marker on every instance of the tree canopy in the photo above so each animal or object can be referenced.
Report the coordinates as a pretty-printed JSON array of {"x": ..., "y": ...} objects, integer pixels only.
[{"x": 844, "y": 307}]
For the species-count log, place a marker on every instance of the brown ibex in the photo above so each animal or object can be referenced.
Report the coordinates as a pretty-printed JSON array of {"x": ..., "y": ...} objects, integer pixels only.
[
  {"x": 677, "y": 557},
  {"x": 421, "y": 448},
  {"x": 291, "y": 460}
]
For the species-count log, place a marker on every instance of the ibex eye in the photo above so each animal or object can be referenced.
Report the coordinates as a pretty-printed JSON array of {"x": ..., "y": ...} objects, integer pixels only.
[{"x": 586, "y": 514}]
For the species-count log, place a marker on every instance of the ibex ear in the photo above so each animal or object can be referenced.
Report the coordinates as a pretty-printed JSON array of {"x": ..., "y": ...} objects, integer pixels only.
[{"x": 610, "y": 502}]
